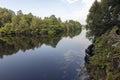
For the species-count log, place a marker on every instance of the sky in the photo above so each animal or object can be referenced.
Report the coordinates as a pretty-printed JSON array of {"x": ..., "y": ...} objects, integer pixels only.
[{"x": 65, "y": 9}]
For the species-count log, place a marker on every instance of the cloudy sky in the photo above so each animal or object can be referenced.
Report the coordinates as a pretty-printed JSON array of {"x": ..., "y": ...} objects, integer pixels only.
[{"x": 66, "y": 9}]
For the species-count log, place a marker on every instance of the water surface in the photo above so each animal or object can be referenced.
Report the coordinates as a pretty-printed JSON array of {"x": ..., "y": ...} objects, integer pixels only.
[{"x": 42, "y": 58}]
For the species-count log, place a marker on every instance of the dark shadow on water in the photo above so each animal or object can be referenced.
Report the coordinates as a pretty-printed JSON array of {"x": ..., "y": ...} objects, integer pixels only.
[{"x": 11, "y": 44}]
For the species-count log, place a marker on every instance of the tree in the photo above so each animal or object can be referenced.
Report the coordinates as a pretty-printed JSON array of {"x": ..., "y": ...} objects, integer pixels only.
[
  {"x": 5, "y": 16},
  {"x": 27, "y": 23},
  {"x": 102, "y": 17},
  {"x": 19, "y": 12}
]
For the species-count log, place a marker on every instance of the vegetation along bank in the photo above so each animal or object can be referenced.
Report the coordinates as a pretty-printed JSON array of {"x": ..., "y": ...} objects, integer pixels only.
[{"x": 103, "y": 29}]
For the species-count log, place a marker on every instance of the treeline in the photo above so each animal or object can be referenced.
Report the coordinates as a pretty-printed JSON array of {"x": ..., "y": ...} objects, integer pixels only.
[
  {"x": 11, "y": 23},
  {"x": 103, "y": 16}
]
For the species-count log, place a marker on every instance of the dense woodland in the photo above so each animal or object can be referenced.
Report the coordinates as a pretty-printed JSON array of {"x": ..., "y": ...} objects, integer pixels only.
[
  {"x": 103, "y": 25},
  {"x": 25, "y": 31},
  {"x": 103, "y": 16},
  {"x": 11, "y": 23}
]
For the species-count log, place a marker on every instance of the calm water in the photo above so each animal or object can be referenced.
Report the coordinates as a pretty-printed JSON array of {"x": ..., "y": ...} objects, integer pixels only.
[{"x": 52, "y": 59}]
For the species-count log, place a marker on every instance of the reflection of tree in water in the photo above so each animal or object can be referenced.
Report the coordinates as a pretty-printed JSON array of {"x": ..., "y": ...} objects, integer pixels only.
[
  {"x": 6, "y": 49},
  {"x": 12, "y": 44}
]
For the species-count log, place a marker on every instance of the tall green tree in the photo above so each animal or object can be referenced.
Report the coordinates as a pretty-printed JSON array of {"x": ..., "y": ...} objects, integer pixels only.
[
  {"x": 5, "y": 16},
  {"x": 11, "y": 23},
  {"x": 102, "y": 17}
]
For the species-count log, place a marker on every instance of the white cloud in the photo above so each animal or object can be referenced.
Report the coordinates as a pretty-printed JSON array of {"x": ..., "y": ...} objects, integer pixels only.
[
  {"x": 80, "y": 16},
  {"x": 71, "y": 1},
  {"x": 81, "y": 13}
]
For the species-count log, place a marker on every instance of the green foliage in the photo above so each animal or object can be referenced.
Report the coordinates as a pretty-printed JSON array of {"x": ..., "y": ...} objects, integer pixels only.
[
  {"x": 106, "y": 57},
  {"x": 6, "y": 28},
  {"x": 5, "y": 16},
  {"x": 29, "y": 24},
  {"x": 102, "y": 23},
  {"x": 102, "y": 17}
]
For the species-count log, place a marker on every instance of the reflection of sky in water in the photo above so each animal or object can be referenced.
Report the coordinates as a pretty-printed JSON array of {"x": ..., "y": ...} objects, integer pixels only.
[
  {"x": 45, "y": 62},
  {"x": 73, "y": 59}
]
